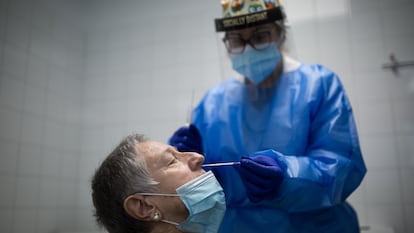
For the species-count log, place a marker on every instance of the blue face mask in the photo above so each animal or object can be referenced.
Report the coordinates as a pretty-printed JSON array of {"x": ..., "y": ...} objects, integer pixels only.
[
  {"x": 256, "y": 65},
  {"x": 205, "y": 201}
]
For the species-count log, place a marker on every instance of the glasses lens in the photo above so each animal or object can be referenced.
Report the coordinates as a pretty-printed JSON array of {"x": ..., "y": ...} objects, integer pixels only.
[
  {"x": 260, "y": 40},
  {"x": 234, "y": 44}
]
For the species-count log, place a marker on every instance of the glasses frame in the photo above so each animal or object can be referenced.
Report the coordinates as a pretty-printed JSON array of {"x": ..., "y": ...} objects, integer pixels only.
[{"x": 268, "y": 33}]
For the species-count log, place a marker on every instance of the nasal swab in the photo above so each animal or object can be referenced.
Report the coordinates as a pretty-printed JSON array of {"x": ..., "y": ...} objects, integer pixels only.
[{"x": 220, "y": 164}]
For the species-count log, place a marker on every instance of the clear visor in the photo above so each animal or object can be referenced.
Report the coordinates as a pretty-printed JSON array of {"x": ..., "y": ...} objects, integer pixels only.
[{"x": 229, "y": 44}]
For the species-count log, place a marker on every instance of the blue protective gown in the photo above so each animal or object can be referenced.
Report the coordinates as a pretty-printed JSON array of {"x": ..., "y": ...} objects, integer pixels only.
[{"x": 305, "y": 122}]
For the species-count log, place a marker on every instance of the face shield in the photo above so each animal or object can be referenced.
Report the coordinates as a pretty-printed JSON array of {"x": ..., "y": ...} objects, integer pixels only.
[
  {"x": 289, "y": 45},
  {"x": 250, "y": 39}
]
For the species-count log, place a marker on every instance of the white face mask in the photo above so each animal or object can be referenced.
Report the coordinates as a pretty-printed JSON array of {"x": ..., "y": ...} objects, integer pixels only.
[{"x": 205, "y": 201}]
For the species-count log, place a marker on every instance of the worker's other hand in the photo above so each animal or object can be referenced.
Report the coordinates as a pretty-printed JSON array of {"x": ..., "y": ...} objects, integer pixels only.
[
  {"x": 261, "y": 176},
  {"x": 187, "y": 138}
]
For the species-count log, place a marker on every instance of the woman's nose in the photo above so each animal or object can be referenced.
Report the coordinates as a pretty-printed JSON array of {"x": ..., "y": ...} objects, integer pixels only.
[{"x": 194, "y": 160}]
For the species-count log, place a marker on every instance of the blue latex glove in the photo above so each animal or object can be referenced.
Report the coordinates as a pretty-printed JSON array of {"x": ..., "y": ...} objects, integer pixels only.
[
  {"x": 261, "y": 176},
  {"x": 187, "y": 138}
]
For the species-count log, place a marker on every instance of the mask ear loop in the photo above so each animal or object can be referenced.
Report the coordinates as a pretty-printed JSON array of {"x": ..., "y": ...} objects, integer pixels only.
[
  {"x": 159, "y": 194},
  {"x": 157, "y": 216},
  {"x": 170, "y": 222}
]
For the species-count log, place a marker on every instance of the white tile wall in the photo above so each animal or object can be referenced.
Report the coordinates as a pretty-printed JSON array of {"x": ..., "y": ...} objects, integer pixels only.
[
  {"x": 53, "y": 131},
  {"x": 6, "y": 218},
  {"x": 18, "y": 31},
  {"x": 331, "y": 8},
  {"x": 25, "y": 215},
  {"x": 397, "y": 15},
  {"x": 67, "y": 193},
  {"x": 300, "y": 11},
  {"x": 10, "y": 123},
  {"x": 390, "y": 215},
  {"x": 8, "y": 152},
  {"x": 32, "y": 129},
  {"x": 29, "y": 159},
  {"x": 50, "y": 165},
  {"x": 383, "y": 149},
  {"x": 21, "y": 8},
  {"x": 66, "y": 220},
  {"x": 376, "y": 118},
  {"x": 8, "y": 191},
  {"x": 372, "y": 86},
  {"x": 27, "y": 192},
  {"x": 408, "y": 185},
  {"x": 85, "y": 219},
  {"x": 35, "y": 101},
  {"x": 38, "y": 68},
  {"x": 84, "y": 194},
  {"x": 306, "y": 41},
  {"x": 405, "y": 147},
  {"x": 409, "y": 216},
  {"x": 45, "y": 219},
  {"x": 3, "y": 19},
  {"x": 382, "y": 179},
  {"x": 49, "y": 192},
  {"x": 358, "y": 6},
  {"x": 12, "y": 92},
  {"x": 69, "y": 164},
  {"x": 404, "y": 115},
  {"x": 40, "y": 101}
]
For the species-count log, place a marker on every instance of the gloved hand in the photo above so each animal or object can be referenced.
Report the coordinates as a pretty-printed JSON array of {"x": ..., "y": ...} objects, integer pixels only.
[
  {"x": 187, "y": 138},
  {"x": 261, "y": 176}
]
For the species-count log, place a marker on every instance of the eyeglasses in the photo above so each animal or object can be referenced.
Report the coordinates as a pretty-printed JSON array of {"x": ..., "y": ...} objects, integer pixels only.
[{"x": 259, "y": 41}]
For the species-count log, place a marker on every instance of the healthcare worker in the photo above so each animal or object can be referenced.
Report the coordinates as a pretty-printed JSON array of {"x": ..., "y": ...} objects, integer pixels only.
[{"x": 289, "y": 126}]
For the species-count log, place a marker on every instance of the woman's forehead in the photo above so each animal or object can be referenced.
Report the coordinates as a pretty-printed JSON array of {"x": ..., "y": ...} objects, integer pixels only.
[
  {"x": 154, "y": 153},
  {"x": 151, "y": 149}
]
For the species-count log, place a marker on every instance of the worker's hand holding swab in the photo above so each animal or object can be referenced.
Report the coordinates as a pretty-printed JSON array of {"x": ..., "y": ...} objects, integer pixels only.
[{"x": 261, "y": 175}]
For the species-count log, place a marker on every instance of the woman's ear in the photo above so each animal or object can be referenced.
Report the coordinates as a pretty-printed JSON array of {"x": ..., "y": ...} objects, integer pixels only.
[{"x": 139, "y": 208}]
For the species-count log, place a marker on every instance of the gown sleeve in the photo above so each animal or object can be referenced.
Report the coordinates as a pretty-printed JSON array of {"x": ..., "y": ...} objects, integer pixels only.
[{"x": 332, "y": 166}]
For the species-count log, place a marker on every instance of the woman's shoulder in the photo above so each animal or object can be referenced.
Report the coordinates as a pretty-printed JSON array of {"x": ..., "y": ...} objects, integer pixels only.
[
  {"x": 226, "y": 86},
  {"x": 316, "y": 73}
]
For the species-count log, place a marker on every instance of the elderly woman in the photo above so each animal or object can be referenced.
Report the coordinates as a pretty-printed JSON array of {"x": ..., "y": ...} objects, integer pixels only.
[{"x": 147, "y": 186}]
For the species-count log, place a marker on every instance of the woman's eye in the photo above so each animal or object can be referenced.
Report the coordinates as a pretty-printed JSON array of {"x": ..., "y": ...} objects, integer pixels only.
[
  {"x": 173, "y": 161},
  {"x": 260, "y": 37},
  {"x": 234, "y": 43}
]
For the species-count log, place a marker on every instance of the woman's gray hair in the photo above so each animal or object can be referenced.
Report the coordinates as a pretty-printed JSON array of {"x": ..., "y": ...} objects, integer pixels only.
[{"x": 121, "y": 174}]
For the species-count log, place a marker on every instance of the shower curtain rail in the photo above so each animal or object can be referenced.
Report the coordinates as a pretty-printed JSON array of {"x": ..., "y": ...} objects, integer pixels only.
[{"x": 395, "y": 64}]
